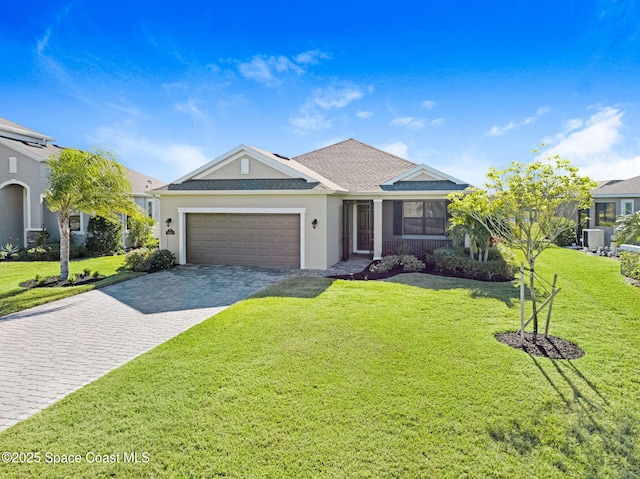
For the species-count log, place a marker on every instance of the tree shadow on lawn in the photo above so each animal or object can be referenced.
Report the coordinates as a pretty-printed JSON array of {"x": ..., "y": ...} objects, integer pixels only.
[
  {"x": 296, "y": 287},
  {"x": 602, "y": 439},
  {"x": 508, "y": 292}
]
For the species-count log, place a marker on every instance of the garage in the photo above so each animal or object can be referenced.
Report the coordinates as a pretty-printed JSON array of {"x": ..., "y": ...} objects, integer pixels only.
[{"x": 243, "y": 238}]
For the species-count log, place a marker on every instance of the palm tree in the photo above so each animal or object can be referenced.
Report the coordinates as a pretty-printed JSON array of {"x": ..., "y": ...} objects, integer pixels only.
[{"x": 90, "y": 182}]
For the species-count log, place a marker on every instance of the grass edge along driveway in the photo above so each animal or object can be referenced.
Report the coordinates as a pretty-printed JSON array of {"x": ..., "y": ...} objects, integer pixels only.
[
  {"x": 401, "y": 378},
  {"x": 14, "y": 298}
]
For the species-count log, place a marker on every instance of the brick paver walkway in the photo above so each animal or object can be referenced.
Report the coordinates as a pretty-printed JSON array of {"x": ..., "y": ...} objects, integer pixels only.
[{"x": 49, "y": 351}]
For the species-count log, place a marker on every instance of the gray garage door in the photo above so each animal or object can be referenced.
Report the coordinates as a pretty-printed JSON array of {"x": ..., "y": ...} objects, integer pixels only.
[{"x": 245, "y": 239}]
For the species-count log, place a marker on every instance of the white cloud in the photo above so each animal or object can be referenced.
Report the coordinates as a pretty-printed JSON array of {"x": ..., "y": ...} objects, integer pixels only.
[
  {"x": 592, "y": 146},
  {"x": 598, "y": 135},
  {"x": 397, "y": 148},
  {"x": 308, "y": 122},
  {"x": 364, "y": 115},
  {"x": 332, "y": 97},
  {"x": 312, "y": 116},
  {"x": 502, "y": 130},
  {"x": 181, "y": 157},
  {"x": 311, "y": 57},
  {"x": 409, "y": 122},
  {"x": 428, "y": 104},
  {"x": 438, "y": 122},
  {"x": 270, "y": 69}
]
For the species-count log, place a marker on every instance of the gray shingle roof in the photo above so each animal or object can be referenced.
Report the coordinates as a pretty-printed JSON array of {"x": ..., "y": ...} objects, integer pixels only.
[
  {"x": 355, "y": 166},
  {"x": 141, "y": 183},
  {"x": 617, "y": 187},
  {"x": 242, "y": 184},
  {"x": 441, "y": 185}
]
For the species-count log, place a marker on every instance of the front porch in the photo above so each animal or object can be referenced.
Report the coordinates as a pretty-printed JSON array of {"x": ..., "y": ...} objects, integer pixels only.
[{"x": 377, "y": 227}]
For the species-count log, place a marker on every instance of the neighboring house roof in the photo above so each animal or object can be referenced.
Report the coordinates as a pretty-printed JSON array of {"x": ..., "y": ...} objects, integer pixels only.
[
  {"x": 141, "y": 183},
  {"x": 630, "y": 187},
  {"x": 13, "y": 130},
  {"x": 27, "y": 141}
]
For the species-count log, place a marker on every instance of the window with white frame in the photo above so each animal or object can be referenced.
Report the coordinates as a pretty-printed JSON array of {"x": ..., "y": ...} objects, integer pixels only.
[{"x": 626, "y": 207}]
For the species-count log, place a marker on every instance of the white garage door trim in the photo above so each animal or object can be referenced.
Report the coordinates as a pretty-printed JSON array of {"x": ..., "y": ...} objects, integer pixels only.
[{"x": 182, "y": 221}]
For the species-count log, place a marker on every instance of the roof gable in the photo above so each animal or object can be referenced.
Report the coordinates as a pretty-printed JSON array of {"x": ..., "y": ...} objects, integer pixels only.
[
  {"x": 354, "y": 165},
  {"x": 423, "y": 174},
  {"x": 280, "y": 167}
]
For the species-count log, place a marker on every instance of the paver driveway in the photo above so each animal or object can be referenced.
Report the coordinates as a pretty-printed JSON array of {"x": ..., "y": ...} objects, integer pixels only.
[{"x": 49, "y": 351}]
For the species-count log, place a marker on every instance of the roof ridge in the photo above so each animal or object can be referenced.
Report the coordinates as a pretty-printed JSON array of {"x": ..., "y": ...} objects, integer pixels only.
[{"x": 359, "y": 143}]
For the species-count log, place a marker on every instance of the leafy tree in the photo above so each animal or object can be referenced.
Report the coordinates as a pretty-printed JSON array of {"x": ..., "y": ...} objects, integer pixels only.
[
  {"x": 628, "y": 228},
  {"x": 464, "y": 224},
  {"x": 530, "y": 206},
  {"x": 91, "y": 182}
]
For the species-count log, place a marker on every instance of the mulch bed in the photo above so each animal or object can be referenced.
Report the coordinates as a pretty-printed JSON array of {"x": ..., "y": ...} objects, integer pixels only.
[
  {"x": 366, "y": 275},
  {"x": 549, "y": 347},
  {"x": 56, "y": 282}
]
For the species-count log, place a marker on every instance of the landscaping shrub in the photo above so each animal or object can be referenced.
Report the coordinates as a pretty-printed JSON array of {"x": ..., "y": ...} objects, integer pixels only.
[
  {"x": 630, "y": 264},
  {"x": 456, "y": 262},
  {"x": 149, "y": 260},
  {"x": 104, "y": 237},
  {"x": 140, "y": 231},
  {"x": 51, "y": 252},
  {"x": 566, "y": 238},
  {"x": 407, "y": 261}
]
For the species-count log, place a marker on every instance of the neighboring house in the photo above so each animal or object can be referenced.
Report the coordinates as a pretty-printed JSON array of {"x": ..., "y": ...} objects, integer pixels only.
[
  {"x": 24, "y": 179},
  {"x": 612, "y": 199},
  {"x": 253, "y": 207}
]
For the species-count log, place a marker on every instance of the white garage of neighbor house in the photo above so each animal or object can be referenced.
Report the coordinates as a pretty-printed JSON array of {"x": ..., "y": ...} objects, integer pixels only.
[{"x": 252, "y": 207}]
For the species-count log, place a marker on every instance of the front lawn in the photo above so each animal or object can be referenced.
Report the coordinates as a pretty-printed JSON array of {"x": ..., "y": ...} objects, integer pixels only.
[
  {"x": 14, "y": 298},
  {"x": 355, "y": 379}
]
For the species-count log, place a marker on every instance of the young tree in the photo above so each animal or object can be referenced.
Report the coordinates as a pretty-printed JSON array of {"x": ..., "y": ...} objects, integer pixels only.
[
  {"x": 531, "y": 205},
  {"x": 91, "y": 182}
]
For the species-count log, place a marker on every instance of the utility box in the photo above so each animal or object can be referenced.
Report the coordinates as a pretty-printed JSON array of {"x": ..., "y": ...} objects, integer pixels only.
[{"x": 593, "y": 239}]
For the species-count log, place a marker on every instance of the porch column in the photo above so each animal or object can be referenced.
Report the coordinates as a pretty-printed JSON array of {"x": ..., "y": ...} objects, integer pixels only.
[{"x": 377, "y": 229}]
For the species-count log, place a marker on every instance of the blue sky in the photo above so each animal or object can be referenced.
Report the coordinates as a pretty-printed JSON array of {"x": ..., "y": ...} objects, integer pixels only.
[{"x": 457, "y": 85}]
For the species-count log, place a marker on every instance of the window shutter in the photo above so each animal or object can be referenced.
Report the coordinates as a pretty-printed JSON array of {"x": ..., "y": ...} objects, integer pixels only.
[{"x": 397, "y": 218}]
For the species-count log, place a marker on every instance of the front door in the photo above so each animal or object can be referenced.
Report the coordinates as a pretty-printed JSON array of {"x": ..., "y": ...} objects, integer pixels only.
[{"x": 364, "y": 229}]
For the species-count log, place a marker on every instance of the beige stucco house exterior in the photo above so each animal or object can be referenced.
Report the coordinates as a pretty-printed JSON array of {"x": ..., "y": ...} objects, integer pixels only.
[
  {"x": 252, "y": 207},
  {"x": 24, "y": 179}
]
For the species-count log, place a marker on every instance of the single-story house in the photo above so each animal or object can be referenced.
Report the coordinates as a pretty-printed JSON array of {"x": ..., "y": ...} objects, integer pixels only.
[
  {"x": 612, "y": 199},
  {"x": 24, "y": 179},
  {"x": 253, "y": 207}
]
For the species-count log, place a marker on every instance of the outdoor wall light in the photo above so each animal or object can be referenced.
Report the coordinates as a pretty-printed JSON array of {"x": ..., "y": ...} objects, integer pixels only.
[
  {"x": 168, "y": 222},
  {"x": 314, "y": 223}
]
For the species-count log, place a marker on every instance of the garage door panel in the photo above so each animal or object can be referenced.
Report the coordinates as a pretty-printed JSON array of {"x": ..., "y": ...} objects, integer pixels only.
[{"x": 244, "y": 239}]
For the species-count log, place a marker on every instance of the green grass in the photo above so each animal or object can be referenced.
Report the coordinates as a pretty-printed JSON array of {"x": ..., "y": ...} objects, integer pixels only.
[
  {"x": 14, "y": 298},
  {"x": 401, "y": 378}
]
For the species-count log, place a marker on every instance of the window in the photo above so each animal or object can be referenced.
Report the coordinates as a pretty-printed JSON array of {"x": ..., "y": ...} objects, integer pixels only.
[
  {"x": 424, "y": 217},
  {"x": 74, "y": 222},
  {"x": 605, "y": 214},
  {"x": 150, "y": 208},
  {"x": 627, "y": 207}
]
